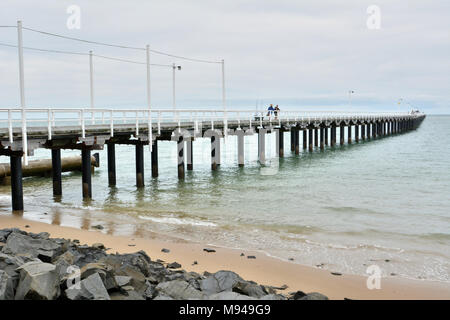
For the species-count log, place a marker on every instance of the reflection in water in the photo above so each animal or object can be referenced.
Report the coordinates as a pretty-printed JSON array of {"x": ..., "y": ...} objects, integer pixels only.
[{"x": 56, "y": 217}]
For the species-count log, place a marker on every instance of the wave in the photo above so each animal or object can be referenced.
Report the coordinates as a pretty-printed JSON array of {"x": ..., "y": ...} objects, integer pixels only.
[{"x": 171, "y": 220}]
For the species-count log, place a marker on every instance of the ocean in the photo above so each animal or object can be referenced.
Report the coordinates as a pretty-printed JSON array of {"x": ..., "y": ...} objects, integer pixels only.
[{"x": 383, "y": 202}]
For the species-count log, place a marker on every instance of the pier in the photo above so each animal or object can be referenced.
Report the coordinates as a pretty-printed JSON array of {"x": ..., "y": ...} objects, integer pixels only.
[{"x": 23, "y": 131}]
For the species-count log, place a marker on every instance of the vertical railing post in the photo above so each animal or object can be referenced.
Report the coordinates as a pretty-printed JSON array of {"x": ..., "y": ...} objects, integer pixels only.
[
  {"x": 91, "y": 80},
  {"x": 22, "y": 92}
]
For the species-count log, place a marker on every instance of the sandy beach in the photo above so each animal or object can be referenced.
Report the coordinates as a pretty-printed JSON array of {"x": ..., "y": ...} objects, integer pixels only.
[{"x": 265, "y": 270}]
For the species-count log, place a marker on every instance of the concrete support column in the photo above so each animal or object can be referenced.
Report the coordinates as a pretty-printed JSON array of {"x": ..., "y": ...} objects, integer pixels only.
[
  {"x": 349, "y": 134},
  {"x": 56, "y": 172},
  {"x": 111, "y": 149},
  {"x": 316, "y": 137},
  {"x": 363, "y": 132},
  {"x": 262, "y": 146},
  {"x": 189, "y": 155},
  {"x": 326, "y": 136},
  {"x": 322, "y": 138},
  {"x": 86, "y": 173},
  {"x": 357, "y": 133},
  {"x": 180, "y": 156},
  {"x": 297, "y": 141},
  {"x": 139, "y": 165},
  {"x": 333, "y": 135},
  {"x": 16, "y": 183},
  {"x": 310, "y": 140},
  {"x": 240, "y": 137},
  {"x": 292, "y": 139},
  {"x": 280, "y": 138},
  {"x": 341, "y": 134},
  {"x": 155, "y": 159},
  {"x": 305, "y": 139}
]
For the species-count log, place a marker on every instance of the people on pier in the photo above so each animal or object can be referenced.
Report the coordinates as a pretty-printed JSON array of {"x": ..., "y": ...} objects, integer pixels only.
[
  {"x": 276, "y": 112},
  {"x": 270, "y": 111}
]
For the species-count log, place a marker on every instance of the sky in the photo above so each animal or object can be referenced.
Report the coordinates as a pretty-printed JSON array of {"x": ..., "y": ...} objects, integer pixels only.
[{"x": 298, "y": 54}]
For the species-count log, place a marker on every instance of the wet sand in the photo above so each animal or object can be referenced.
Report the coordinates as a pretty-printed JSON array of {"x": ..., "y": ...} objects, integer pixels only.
[{"x": 265, "y": 270}]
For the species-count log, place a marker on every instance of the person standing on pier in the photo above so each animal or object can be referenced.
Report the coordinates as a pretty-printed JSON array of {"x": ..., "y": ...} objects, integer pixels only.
[
  {"x": 276, "y": 112},
  {"x": 270, "y": 111}
]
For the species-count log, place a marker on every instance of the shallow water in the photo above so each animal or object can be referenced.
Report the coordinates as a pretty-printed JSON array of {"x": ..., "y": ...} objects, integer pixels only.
[{"x": 383, "y": 202}]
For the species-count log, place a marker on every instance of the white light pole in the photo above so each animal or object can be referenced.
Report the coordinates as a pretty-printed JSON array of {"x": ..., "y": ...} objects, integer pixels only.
[
  {"x": 91, "y": 79},
  {"x": 147, "y": 49},
  {"x": 174, "y": 68},
  {"x": 22, "y": 92},
  {"x": 350, "y": 97},
  {"x": 223, "y": 86}
]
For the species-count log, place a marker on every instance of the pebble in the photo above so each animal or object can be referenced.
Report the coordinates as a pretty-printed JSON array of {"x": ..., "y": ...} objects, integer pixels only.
[
  {"x": 209, "y": 250},
  {"x": 336, "y": 274},
  {"x": 251, "y": 257},
  {"x": 194, "y": 263},
  {"x": 165, "y": 250},
  {"x": 99, "y": 227}
]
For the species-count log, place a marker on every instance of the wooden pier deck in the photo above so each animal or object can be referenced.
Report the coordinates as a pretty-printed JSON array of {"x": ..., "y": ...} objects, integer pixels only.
[{"x": 23, "y": 131}]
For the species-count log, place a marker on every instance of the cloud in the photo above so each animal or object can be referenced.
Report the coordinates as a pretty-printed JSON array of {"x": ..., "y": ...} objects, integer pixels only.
[{"x": 295, "y": 53}]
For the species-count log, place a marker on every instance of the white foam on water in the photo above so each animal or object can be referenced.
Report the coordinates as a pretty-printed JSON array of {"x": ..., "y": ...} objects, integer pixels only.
[{"x": 171, "y": 220}]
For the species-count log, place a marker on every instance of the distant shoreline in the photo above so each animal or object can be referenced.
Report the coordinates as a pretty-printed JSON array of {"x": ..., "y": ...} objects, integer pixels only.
[{"x": 264, "y": 270}]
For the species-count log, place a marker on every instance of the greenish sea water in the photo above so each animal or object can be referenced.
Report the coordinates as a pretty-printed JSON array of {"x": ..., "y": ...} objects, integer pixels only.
[{"x": 383, "y": 202}]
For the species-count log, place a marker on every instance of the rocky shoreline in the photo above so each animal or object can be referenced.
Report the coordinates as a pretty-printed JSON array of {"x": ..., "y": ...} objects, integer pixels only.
[{"x": 35, "y": 266}]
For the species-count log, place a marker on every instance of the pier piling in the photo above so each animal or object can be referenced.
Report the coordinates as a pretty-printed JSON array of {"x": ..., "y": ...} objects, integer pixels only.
[
  {"x": 111, "y": 148},
  {"x": 139, "y": 165},
  {"x": 322, "y": 138},
  {"x": 349, "y": 134},
  {"x": 280, "y": 137},
  {"x": 180, "y": 153},
  {"x": 56, "y": 172},
  {"x": 341, "y": 134},
  {"x": 297, "y": 141},
  {"x": 357, "y": 133},
  {"x": 310, "y": 140},
  {"x": 316, "y": 137},
  {"x": 154, "y": 159},
  {"x": 262, "y": 146},
  {"x": 16, "y": 183},
  {"x": 86, "y": 173},
  {"x": 189, "y": 155}
]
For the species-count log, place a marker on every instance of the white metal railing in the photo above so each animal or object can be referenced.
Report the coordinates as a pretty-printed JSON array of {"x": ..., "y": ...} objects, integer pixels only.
[{"x": 49, "y": 118}]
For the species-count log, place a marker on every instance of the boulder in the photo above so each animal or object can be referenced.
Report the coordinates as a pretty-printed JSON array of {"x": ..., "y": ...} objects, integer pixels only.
[
  {"x": 38, "y": 281},
  {"x": 105, "y": 271},
  {"x": 139, "y": 261},
  {"x": 129, "y": 295},
  {"x": 91, "y": 288},
  {"x": 20, "y": 244},
  {"x": 174, "y": 265},
  {"x": 6, "y": 286},
  {"x": 219, "y": 281},
  {"x": 85, "y": 254},
  {"x": 228, "y": 295},
  {"x": 273, "y": 297},
  {"x": 250, "y": 289},
  {"x": 122, "y": 280},
  {"x": 314, "y": 296},
  {"x": 179, "y": 290}
]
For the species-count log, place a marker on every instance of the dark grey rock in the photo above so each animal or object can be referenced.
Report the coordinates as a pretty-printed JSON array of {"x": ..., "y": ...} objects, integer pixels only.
[
  {"x": 336, "y": 273},
  {"x": 228, "y": 295},
  {"x": 105, "y": 271},
  {"x": 129, "y": 295},
  {"x": 165, "y": 250},
  {"x": 251, "y": 257},
  {"x": 44, "y": 249},
  {"x": 91, "y": 288},
  {"x": 163, "y": 297},
  {"x": 179, "y": 290},
  {"x": 314, "y": 296},
  {"x": 219, "y": 281},
  {"x": 99, "y": 246},
  {"x": 139, "y": 261},
  {"x": 122, "y": 280},
  {"x": 209, "y": 250},
  {"x": 98, "y": 227},
  {"x": 249, "y": 288},
  {"x": 6, "y": 286},
  {"x": 174, "y": 265},
  {"x": 38, "y": 281},
  {"x": 85, "y": 254},
  {"x": 273, "y": 297}
]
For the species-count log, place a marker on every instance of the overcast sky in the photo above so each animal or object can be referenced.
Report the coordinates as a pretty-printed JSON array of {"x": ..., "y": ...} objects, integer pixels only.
[{"x": 294, "y": 53}]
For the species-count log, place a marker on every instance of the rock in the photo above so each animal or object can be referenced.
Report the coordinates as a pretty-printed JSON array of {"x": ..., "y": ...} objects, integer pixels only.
[
  {"x": 6, "y": 286},
  {"x": 43, "y": 249},
  {"x": 336, "y": 273},
  {"x": 98, "y": 227},
  {"x": 179, "y": 290},
  {"x": 174, "y": 265},
  {"x": 209, "y": 250},
  {"x": 85, "y": 254},
  {"x": 105, "y": 271},
  {"x": 228, "y": 295},
  {"x": 314, "y": 296},
  {"x": 251, "y": 257},
  {"x": 297, "y": 295},
  {"x": 91, "y": 288},
  {"x": 291, "y": 259},
  {"x": 219, "y": 281},
  {"x": 131, "y": 245},
  {"x": 38, "y": 281},
  {"x": 139, "y": 261},
  {"x": 76, "y": 241},
  {"x": 150, "y": 292},
  {"x": 137, "y": 281},
  {"x": 163, "y": 297},
  {"x": 273, "y": 297},
  {"x": 242, "y": 255},
  {"x": 130, "y": 295},
  {"x": 63, "y": 262},
  {"x": 98, "y": 246},
  {"x": 250, "y": 289},
  {"x": 194, "y": 263},
  {"x": 27, "y": 226},
  {"x": 122, "y": 280},
  {"x": 165, "y": 250}
]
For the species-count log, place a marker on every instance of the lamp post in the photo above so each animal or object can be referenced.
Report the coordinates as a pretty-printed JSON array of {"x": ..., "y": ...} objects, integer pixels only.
[{"x": 174, "y": 68}]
